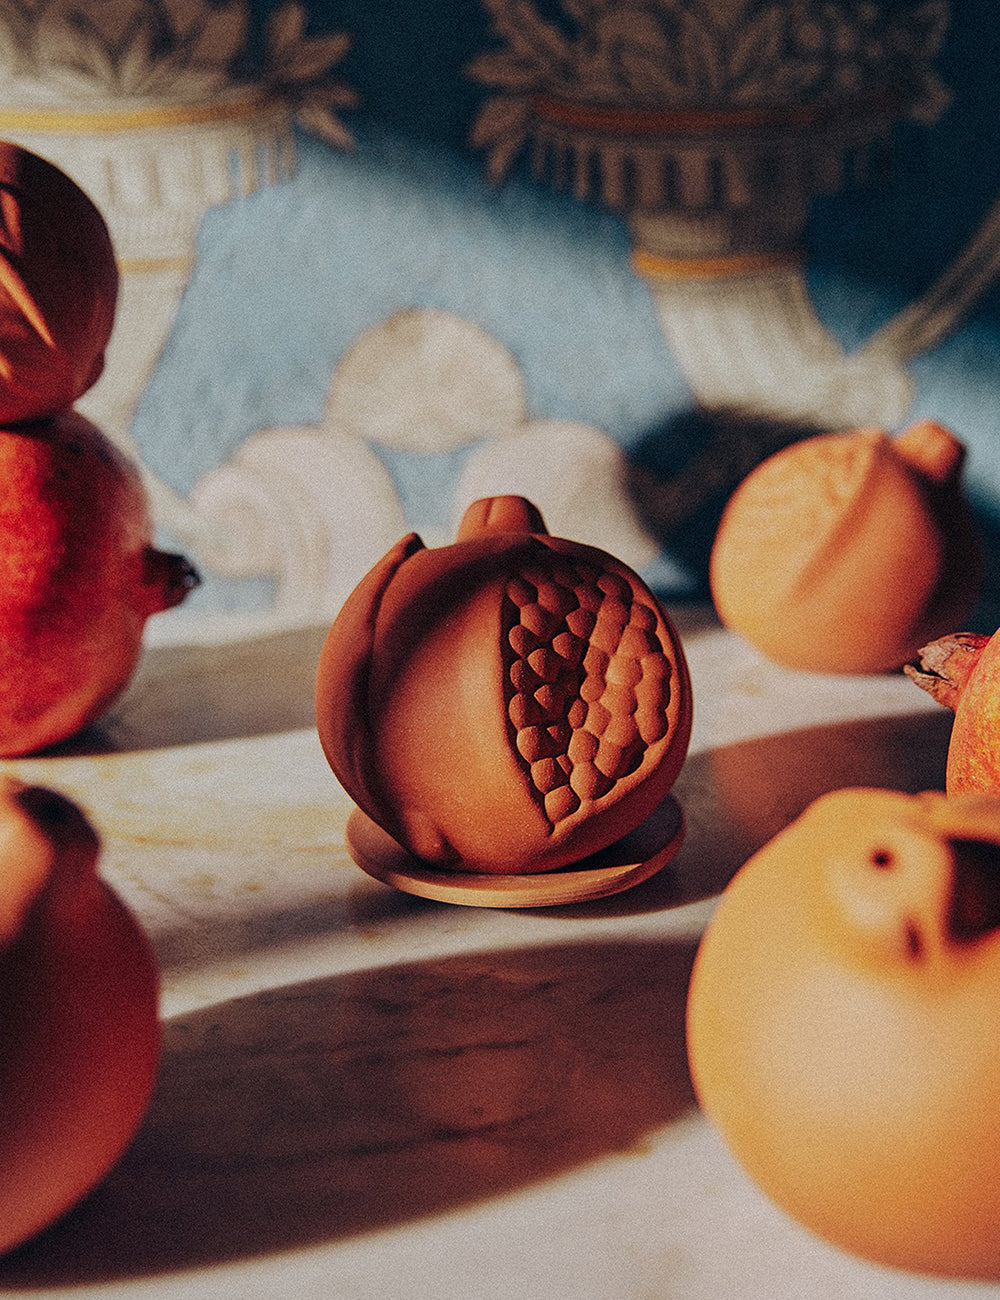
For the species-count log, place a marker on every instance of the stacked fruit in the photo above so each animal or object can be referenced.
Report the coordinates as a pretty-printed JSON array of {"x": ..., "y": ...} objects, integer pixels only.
[{"x": 79, "y": 575}]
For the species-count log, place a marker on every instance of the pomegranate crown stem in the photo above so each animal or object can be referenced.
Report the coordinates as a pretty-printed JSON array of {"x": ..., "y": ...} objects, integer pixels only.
[{"x": 943, "y": 668}]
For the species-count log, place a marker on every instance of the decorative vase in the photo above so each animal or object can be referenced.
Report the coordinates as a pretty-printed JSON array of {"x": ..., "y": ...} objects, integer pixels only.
[
  {"x": 154, "y": 170},
  {"x": 712, "y": 125},
  {"x": 150, "y": 107}
]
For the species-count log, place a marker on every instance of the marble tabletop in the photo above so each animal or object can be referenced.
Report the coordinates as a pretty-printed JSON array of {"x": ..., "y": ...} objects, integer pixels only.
[{"x": 367, "y": 1095}]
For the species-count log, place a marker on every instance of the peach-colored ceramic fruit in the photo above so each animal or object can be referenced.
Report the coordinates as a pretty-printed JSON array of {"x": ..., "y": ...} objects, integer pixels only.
[
  {"x": 58, "y": 288},
  {"x": 845, "y": 552},
  {"x": 79, "y": 576},
  {"x": 844, "y": 1025},
  {"x": 79, "y": 1034},
  {"x": 509, "y": 703},
  {"x": 962, "y": 672}
]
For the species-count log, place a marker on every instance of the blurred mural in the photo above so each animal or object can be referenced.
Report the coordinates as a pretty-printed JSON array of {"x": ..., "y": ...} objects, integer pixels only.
[{"x": 381, "y": 259}]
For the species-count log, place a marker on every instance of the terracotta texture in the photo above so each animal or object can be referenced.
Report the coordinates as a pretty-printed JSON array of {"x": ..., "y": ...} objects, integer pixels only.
[
  {"x": 79, "y": 1036},
  {"x": 58, "y": 288},
  {"x": 848, "y": 551},
  {"x": 510, "y": 703},
  {"x": 78, "y": 578},
  {"x": 843, "y": 1026},
  {"x": 962, "y": 672}
]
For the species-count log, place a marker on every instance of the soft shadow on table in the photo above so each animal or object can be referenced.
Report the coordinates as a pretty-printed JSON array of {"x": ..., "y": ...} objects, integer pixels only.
[
  {"x": 736, "y": 797},
  {"x": 243, "y": 935},
  {"x": 357, "y": 1102},
  {"x": 188, "y": 694},
  {"x": 259, "y": 685}
]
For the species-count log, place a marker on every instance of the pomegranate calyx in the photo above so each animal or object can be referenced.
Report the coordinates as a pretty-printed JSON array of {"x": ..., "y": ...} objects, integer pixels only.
[
  {"x": 501, "y": 514},
  {"x": 943, "y": 667},
  {"x": 169, "y": 576},
  {"x": 932, "y": 450}
]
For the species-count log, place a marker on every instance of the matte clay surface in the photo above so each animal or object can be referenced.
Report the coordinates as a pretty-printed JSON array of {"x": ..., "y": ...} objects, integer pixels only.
[
  {"x": 622, "y": 865},
  {"x": 58, "y": 288},
  {"x": 843, "y": 1025},
  {"x": 510, "y": 703},
  {"x": 370, "y": 1095},
  {"x": 962, "y": 672},
  {"x": 79, "y": 1041},
  {"x": 79, "y": 576},
  {"x": 846, "y": 552}
]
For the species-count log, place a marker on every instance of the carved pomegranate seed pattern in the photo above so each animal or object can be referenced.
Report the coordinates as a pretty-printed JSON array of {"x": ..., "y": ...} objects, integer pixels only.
[{"x": 587, "y": 680}]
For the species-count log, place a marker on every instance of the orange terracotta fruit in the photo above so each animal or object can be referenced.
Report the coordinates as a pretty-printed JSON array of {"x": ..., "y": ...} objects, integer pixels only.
[
  {"x": 962, "y": 672},
  {"x": 844, "y": 1025},
  {"x": 58, "y": 288},
  {"x": 846, "y": 552},
  {"x": 79, "y": 576},
  {"x": 509, "y": 703},
  {"x": 79, "y": 1034}
]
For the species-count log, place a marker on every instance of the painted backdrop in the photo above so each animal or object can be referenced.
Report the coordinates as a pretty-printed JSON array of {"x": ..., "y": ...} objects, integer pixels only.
[{"x": 362, "y": 347}]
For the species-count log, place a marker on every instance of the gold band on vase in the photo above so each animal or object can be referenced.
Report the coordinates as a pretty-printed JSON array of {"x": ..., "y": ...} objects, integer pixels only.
[
  {"x": 79, "y": 121},
  {"x": 656, "y": 266}
]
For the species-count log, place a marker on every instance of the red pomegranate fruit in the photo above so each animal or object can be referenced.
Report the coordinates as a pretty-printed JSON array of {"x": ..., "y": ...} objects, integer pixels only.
[
  {"x": 962, "y": 672},
  {"x": 79, "y": 576}
]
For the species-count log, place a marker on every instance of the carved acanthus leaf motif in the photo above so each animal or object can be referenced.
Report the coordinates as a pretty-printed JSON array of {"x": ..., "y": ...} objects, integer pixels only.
[
  {"x": 179, "y": 51},
  {"x": 667, "y": 54}
]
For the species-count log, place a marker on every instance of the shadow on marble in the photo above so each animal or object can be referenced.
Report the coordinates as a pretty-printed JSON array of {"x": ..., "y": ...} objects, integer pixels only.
[
  {"x": 357, "y": 1102},
  {"x": 188, "y": 694},
  {"x": 248, "y": 933},
  {"x": 736, "y": 797},
  {"x": 263, "y": 684}
]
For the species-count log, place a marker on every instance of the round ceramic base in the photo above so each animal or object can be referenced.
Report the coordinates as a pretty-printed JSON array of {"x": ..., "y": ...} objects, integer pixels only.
[{"x": 627, "y": 862}]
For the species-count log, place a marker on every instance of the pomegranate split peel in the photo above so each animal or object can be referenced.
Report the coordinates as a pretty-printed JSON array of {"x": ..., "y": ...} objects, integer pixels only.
[
  {"x": 58, "y": 288},
  {"x": 507, "y": 704}
]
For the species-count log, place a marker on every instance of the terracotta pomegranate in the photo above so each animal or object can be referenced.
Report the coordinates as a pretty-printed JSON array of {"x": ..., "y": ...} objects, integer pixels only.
[
  {"x": 847, "y": 551},
  {"x": 844, "y": 1025},
  {"x": 962, "y": 672},
  {"x": 79, "y": 576},
  {"x": 510, "y": 703},
  {"x": 58, "y": 288},
  {"x": 79, "y": 1034}
]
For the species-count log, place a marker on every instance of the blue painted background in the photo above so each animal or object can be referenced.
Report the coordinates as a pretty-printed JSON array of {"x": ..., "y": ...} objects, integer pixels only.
[{"x": 287, "y": 279}]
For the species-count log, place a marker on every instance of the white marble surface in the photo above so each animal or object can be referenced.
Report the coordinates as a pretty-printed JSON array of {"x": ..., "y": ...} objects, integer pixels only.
[{"x": 366, "y": 1095}]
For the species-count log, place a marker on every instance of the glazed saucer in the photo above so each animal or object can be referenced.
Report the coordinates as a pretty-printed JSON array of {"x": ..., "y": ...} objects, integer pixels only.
[{"x": 626, "y": 863}]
